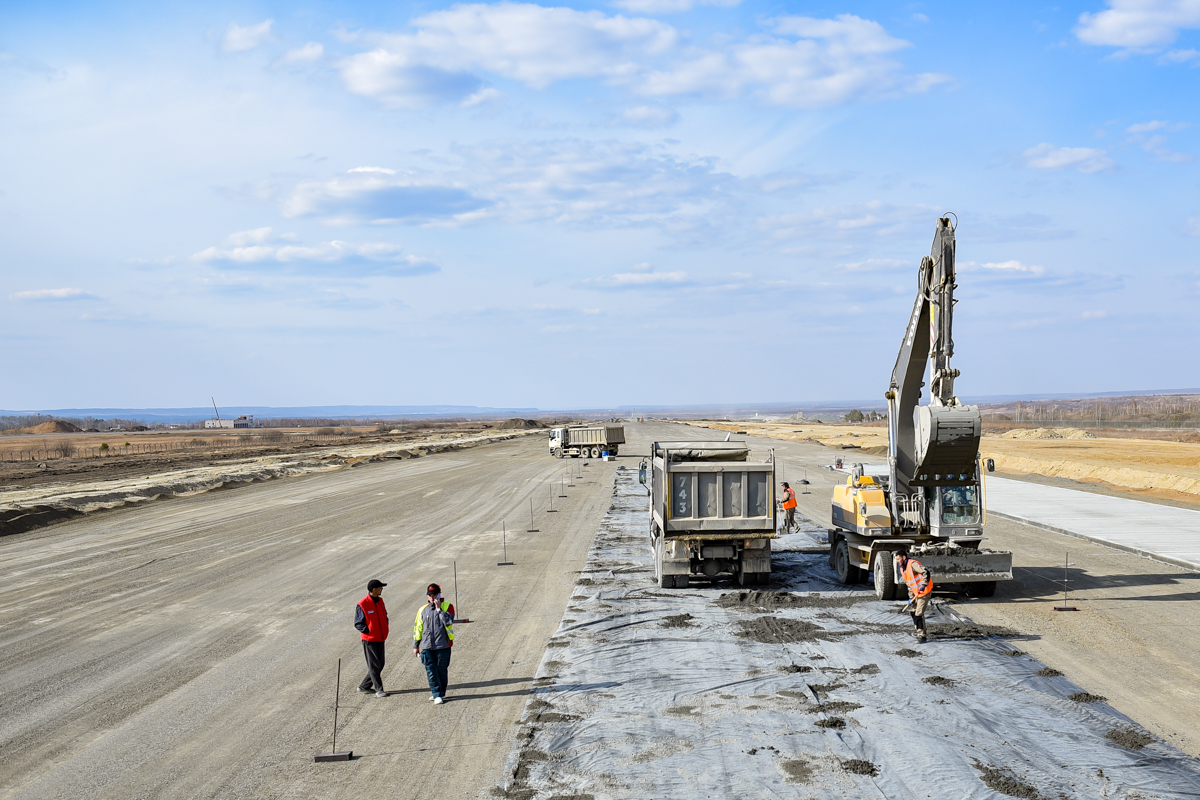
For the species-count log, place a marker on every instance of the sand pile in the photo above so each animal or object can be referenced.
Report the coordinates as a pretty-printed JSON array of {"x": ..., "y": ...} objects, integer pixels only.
[
  {"x": 53, "y": 426},
  {"x": 1047, "y": 433}
]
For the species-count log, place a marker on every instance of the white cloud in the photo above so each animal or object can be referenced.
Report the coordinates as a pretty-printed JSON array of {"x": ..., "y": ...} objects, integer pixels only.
[
  {"x": 649, "y": 117},
  {"x": 1179, "y": 56},
  {"x": 378, "y": 195},
  {"x": 258, "y": 249},
  {"x": 54, "y": 294},
  {"x": 1146, "y": 127},
  {"x": 1006, "y": 268},
  {"x": 308, "y": 53},
  {"x": 1087, "y": 160},
  {"x": 824, "y": 62},
  {"x": 636, "y": 279},
  {"x": 668, "y": 6},
  {"x": 1138, "y": 24},
  {"x": 804, "y": 62},
  {"x": 238, "y": 39},
  {"x": 531, "y": 44},
  {"x": 1098, "y": 314},
  {"x": 1192, "y": 226}
]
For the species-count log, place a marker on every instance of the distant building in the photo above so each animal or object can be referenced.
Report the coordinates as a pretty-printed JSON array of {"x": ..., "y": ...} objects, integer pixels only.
[{"x": 244, "y": 421}]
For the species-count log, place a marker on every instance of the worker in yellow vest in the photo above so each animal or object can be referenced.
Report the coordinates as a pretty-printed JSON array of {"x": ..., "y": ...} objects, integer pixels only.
[
  {"x": 920, "y": 586},
  {"x": 789, "y": 507}
]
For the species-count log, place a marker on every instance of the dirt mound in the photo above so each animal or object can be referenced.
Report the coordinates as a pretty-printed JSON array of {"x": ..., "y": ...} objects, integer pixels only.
[
  {"x": 771, "y": 601},
  {"x": 969, "y": 631},
  {"x": 908, "y": 652},
  {"x": 53, "y": 426},
  {"x": 836, "y": 723},
  {"x": 857, "y": 766},
  {"x": 1049, "y": 672},
  {"x": 678, "y": 621},
  {"x": 1005, "y": 782},
  {"x": 774, "y": 630},
  {"x": 1047, "y": 433},
  {"x": 516, "y": 424},
  {"x": 1088, "y": 697},
  {"x": 1129, "y": 737},
  {"x": 938, "y": 680}
]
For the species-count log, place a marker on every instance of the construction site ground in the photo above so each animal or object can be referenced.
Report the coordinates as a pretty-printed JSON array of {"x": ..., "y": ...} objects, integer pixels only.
[{"x": 187, "y": 649}]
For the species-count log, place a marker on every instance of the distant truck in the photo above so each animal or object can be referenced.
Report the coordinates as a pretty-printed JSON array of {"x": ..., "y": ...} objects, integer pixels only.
[
  {"x": 584, "y": 441},
  {"x": 712, "y": 511}
]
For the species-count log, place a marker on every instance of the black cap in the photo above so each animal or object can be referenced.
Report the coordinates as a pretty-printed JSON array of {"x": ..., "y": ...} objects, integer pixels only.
[
  {"x": 433, "y": 589},
  {"x": 375, "y": 583},
  {"x": 785, "y": 483}
]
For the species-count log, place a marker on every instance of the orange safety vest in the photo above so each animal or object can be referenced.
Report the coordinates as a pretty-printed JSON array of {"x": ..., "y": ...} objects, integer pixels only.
[
  {"x": 789, "y": 498},
  {"x": 914, "y": 581}
]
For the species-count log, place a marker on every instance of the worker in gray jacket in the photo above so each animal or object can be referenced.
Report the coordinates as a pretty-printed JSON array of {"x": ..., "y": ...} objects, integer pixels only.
[{"x": 433, "y": 636}]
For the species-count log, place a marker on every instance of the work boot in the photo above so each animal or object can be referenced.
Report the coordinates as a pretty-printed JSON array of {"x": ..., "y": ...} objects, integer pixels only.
[
  {"x": 364, "y": 691},
  {"x": 921, "y": 638}
]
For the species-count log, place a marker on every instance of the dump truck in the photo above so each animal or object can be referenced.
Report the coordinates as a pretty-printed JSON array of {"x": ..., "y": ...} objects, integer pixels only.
[
  {"x": 929, "y": 502},
  {"x": 712, "y": 512},
  {"x": 583, "y": 441}
]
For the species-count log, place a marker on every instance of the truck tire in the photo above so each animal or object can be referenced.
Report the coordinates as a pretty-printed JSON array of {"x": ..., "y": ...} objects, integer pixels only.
[
  {"x": 981, "y": 589},
  {"x": 847, "y": 573},
  {"x": 595, "y": 452},
  {"x": 612, "y": 451},
  {"x": 833, "y": 543},
  {"x": 885, "y": 578},
  {"x": 558, "y": 453},
  {"x": 681, "y": 581}
]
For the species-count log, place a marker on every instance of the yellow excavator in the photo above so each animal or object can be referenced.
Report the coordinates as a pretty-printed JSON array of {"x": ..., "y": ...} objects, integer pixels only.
[{"x": 929, "y": 500}]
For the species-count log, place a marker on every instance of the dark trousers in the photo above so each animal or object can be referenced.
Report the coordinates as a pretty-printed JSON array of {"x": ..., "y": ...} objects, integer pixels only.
[
  {"x": 437, "y": 669},
  {"x": 374, "y": 655}
]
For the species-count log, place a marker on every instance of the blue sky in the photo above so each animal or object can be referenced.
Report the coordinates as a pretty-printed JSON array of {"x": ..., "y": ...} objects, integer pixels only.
[{"x": 586, "y": 205}]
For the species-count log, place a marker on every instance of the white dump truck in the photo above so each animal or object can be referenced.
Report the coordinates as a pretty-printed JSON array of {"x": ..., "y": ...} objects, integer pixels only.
[
  {"x": 712, "y": 511},
  {"x": 584, "y": 441}
]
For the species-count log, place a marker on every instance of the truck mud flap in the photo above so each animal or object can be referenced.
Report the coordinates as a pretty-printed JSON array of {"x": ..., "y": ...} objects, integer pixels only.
[{"x": 969, "y": 568}]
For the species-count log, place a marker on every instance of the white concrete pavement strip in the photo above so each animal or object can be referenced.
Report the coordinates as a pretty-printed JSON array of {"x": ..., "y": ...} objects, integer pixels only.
[
  {"x": 1157, "y": 531},
  {"x": 817, "y": 691}
]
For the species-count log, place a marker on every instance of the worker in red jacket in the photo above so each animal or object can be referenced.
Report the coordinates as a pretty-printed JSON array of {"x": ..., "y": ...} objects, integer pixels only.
[{"x": 371, "y": 620}]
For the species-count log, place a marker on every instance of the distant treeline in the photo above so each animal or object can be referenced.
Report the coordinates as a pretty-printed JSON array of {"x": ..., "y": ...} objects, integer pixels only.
[{"x": 1139, "y": 411}]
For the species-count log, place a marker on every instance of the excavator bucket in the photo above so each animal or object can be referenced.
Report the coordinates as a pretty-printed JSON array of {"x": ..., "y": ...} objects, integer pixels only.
[{"x": 947, "y": 442}]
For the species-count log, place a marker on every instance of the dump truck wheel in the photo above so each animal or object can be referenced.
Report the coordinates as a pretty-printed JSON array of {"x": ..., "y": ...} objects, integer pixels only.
[
  {"x": 558, "y": 453},
  {"x": 846, "y": 572},
  {"x": 681, "y": 581},
  {"x": 981, "y": 589},
  {"x": 885, "y": 578},
  {"x": 833, "y": 543},
  {"x": 764, "y": 579}
]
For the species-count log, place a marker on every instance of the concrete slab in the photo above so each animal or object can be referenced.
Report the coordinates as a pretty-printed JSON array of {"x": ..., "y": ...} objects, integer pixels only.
[{"x": 1164, "y": 533}]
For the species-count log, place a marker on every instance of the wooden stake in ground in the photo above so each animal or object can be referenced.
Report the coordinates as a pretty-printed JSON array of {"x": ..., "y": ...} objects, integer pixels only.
[
  {"x": 551, "y": 509},
  {"x": 333, "y": 754},
  {"x": 531, "y": 529}
]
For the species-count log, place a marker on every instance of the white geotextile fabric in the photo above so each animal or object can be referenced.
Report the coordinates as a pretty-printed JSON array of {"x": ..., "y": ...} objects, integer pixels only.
[{"x": 627, "y": 708}]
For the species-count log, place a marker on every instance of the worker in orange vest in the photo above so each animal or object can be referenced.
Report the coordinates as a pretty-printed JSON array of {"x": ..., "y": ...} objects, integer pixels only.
[
  {"x": 920, "y": 586},
  {"x": 789, "y": 506}
]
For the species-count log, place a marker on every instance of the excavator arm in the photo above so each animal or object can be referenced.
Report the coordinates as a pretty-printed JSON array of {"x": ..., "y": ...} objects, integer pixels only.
[{"x": 936, "y": 444}]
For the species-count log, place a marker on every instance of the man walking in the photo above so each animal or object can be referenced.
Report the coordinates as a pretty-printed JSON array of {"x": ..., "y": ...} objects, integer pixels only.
[
  {"x": 920, "y": 585},
  {"x": 789, "y": 505},
  {"x": 371, "y": 620},
  {"x": 433, "y": 636}
]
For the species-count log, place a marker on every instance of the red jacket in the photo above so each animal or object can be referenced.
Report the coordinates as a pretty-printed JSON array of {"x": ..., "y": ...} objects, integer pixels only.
[{"x": 374, "y": 614}]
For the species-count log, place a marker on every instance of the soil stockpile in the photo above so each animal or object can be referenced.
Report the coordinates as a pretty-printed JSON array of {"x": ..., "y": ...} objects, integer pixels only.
[
  {"x": 1005, "y": 782},
  {"x": 1129, "y": 737},
  {"x": 1047, "y": 433},
  {"x": 773, "y": 601},
  {"x": 516, "y": 424}
]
